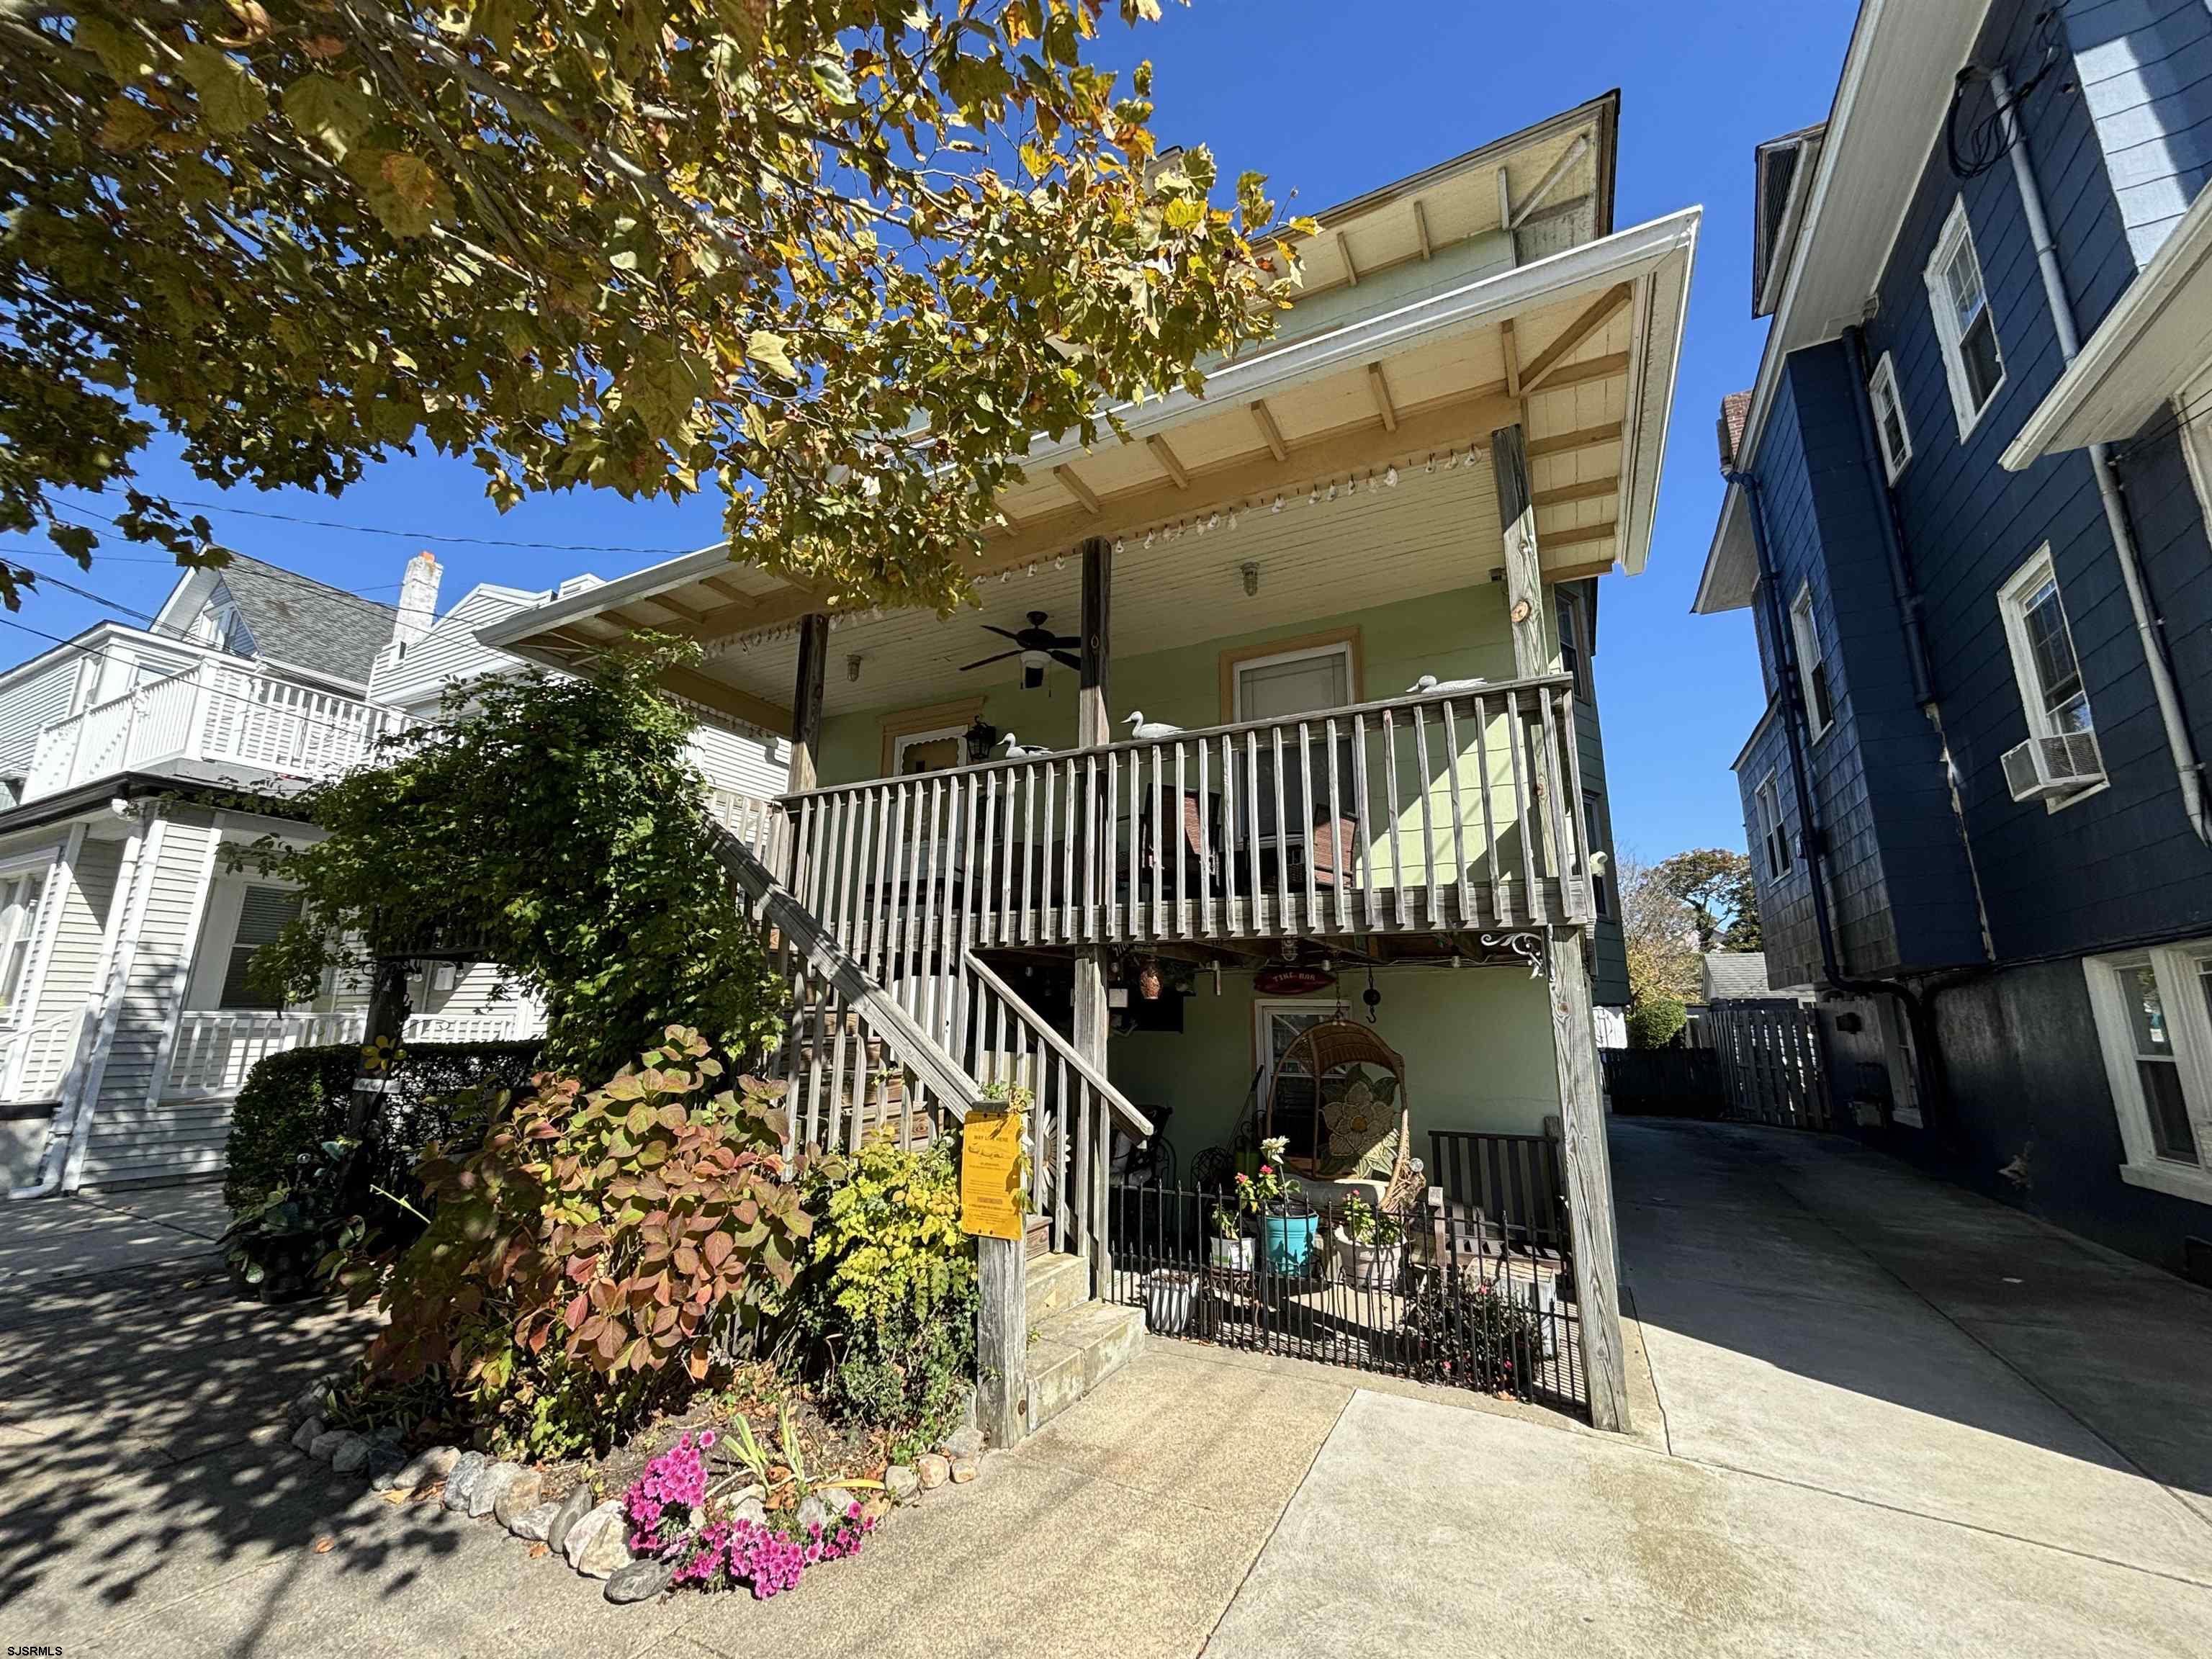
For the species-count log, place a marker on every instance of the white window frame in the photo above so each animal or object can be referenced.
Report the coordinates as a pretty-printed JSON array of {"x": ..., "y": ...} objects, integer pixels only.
[
  {"x": 2189, "y": 1023},
  {"x": 2012, "y": 607},
  {"x": 1882, "y": 385},
  {"x": 1766, "y": 802},
  {"x": 1805, "y": 632},
  {"x": 2192, "y": 415},
  {"x": 1898, "y": 1056},
  {"x": 1958, "y": 235},
  {"x": 907, "y": 740},
  {"x": 26, "y": 930},
  {"x": 1593, "y": 817},
  {"x": 1305, "y": 653}
]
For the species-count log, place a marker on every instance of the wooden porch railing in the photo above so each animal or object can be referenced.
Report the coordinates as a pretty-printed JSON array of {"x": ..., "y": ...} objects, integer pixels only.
[{"x": 1438, "y": 813}]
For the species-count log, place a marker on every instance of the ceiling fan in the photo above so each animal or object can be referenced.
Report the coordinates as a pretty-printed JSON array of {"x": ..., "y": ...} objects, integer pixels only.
[{"x": 1038, "y": 647}]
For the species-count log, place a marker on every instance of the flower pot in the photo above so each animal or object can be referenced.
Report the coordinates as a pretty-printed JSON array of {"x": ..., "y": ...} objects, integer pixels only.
[
  {"x": 1169, "y": 1295},
  {"x": 1288, "y": 1242},
  {"x": 1231, "y": 1253},
  {"x": 1368, "y": 1267}
]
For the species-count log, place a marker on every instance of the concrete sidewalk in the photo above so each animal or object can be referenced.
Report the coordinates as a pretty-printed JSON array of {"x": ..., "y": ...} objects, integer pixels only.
[{"x": 1880, "y": 1416}]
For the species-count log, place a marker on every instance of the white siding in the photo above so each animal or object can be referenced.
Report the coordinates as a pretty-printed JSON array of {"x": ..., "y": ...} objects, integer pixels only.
[
  {"x": 751, "y": 766},
  {"x": 30, "y": 705},
  {"x": 449, "y": 651},
  {"x": 129, "y": 1141},
  {"x": 81, "y": 920}
]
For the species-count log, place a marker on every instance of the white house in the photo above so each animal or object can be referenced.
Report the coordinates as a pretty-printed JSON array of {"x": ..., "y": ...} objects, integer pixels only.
[{"x": 126, "y": 1022}]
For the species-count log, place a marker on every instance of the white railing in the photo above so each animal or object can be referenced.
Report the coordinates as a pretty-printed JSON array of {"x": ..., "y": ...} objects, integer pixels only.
[
  {"x": 216, "y": 1047},
  {"x": 1437, "y": 813},
  {"x": 214, "y": 712},
  {"x": 36, "y": 1057}
]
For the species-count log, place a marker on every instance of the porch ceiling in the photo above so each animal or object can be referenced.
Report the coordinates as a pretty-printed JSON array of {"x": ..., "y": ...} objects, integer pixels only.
[{"x": 1579, "y": 348}]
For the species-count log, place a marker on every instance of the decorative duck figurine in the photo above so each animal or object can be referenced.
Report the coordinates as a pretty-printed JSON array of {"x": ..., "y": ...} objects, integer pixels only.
[
  {"x": 1144, "y": 731},
  {"x": 1430, "y": 686},
  {"x": 1015, "y": 751}
]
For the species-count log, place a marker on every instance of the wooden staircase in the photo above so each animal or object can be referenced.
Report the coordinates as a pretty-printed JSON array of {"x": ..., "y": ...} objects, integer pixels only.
[{"x": 1075, "y": 1341}]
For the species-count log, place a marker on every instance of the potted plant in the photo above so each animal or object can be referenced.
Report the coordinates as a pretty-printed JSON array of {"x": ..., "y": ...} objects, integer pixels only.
[
  {"x": 1287, "y": 1221},
  {"x": 1370, "y": 1246},
  {"x": 1231, "y": 1246},
  {"x": 1169, "y": 1295}
]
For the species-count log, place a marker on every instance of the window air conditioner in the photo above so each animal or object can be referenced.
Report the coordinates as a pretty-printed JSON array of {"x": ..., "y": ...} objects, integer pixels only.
[{"x": 2043, "y": 768}]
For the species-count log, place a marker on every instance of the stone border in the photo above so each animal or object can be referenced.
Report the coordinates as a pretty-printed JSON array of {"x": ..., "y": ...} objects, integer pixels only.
[{"x": 591, "y": 1537}]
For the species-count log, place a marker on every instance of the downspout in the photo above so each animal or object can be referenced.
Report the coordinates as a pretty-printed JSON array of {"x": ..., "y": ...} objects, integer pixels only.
[
  {"x": 2188, "y": 770},
  {"x": 1795, "y": 727},
  {"x": 1909, "y": 613},
  {"x": 95, "y": 1027}
]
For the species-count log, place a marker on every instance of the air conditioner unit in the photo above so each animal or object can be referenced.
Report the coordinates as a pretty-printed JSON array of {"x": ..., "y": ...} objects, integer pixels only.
[{"x": 2043, "y": 768}]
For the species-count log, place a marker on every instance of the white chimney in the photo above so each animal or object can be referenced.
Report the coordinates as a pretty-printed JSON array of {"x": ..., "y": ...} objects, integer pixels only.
[{"x": 418, "y": 600}]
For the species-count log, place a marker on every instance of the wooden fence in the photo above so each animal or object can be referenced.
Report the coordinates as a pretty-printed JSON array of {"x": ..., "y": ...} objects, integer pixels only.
[
  {"x": 1664, "y": 1082},
  {"x": 1771, "y": 1063}
]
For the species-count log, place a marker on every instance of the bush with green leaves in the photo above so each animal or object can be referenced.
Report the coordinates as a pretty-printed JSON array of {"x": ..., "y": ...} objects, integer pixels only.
[
  {"x": 1475, "y": 1331},
  {"x": 587, "y": 1264},
  {"x": 295, "y": 1102},
  {"x": 557, "y": 827},
  {"x": 888, "y": 1304}
]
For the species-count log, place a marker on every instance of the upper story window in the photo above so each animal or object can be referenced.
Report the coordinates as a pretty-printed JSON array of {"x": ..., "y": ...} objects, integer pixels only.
[
  {"x": 1889, "y": 418},
  {"x": 1966, "y": 327},
  {"x": 1574, "y": 653},
  {"x": 1812, "y": 665},
  {"x": 219, "y": 624},
  {"x": 2043, "y": 659},
  {"x": 1773, "y": 835},
  {"x": 1296, "y": 681},
  {"x": 1593, "y": 829}
]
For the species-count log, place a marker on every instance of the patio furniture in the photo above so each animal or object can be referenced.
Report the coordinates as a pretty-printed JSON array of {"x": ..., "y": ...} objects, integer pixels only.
[{"x": 1358, "y": 1142}]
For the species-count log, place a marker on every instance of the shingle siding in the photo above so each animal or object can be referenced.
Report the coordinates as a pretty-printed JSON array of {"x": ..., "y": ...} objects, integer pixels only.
[{"x": 2145, "y": 71}]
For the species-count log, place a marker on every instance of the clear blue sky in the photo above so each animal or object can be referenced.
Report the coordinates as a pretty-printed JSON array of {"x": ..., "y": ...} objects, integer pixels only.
[{"x": 1329, "y": 101}]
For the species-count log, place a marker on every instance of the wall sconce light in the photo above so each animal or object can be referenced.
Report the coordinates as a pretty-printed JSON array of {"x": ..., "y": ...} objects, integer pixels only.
[
  {"x": 977, "y": 740},
  {"x": 852, "y": 667},
  {"x": 1148, "y": 979},
  {"x": 1251, "y": 572}
]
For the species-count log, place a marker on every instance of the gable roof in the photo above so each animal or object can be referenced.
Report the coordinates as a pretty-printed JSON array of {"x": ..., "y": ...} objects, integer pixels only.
[
  {"x": 1736, "y": 975},
  {"x": 300, "y": 621}
]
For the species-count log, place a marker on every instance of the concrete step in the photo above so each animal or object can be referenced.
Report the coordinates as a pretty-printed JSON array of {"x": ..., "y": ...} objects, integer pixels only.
[
  {"x": 1053, "y": 1284},
  {"x": 1072, "y": 1352}
]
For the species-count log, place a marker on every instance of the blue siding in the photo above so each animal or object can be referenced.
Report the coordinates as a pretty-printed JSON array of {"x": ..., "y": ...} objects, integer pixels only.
[
  {"x": 2145, "y": 68},
  {"x": 2131, "y": 864}
]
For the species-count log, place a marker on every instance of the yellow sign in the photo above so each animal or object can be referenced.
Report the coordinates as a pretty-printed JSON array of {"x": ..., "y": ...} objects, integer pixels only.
[{"x": 990, "y": 1173}]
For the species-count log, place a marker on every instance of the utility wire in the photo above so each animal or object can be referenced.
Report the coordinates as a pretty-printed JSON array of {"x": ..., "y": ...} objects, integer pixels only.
[{"x": 432, "y": 535}]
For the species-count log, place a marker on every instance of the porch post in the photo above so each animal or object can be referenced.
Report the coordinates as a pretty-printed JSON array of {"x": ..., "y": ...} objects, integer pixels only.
[
  {"x": 1574, "y": 1029},
  {"x": 1093, "y": 727},
  {"x": 806, "y": 700}
]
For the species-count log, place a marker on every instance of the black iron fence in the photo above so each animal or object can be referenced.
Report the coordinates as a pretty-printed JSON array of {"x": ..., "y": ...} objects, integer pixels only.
[{"x": 1458, "y": 1296}]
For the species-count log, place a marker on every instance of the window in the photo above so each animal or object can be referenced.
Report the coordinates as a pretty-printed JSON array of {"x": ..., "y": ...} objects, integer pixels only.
[
  {"x": 1593, "y": 829},
  {"x": 2043, "y": 660},
  {"x": 262, "y": 913},
  {"x": 1902, "y": 1063},
  {"x": 1773, "y": 836},
  {"x": 1279, "y": 1025},
  {"x": 2153, "y": 1017},
  {"x": 929, "y": 751},
  {"x": 1965, "y": 326},
  {"x": 1573, "y": 658},
  {"x": 1889, "y": 418},
  {"x": 1293, "y": 682},
  {"x": 19, "y": 912},
  {"x": 1812, "y": 667}
]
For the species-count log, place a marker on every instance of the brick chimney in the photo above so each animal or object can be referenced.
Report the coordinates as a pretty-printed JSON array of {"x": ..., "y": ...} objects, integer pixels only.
[{"x": 418, "y": 598}]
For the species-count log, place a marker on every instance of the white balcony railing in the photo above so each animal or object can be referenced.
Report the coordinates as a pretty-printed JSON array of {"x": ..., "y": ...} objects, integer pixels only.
[
  {"x": 218, "y": 712},
  {"x": 217, "y": 1047},
  {"x": 35, "y": 1056}
]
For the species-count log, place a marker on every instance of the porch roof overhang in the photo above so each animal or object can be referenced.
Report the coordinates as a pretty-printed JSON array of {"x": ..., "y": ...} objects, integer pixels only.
[
  {"x": 1887, "y": 111},
  {"x": 2151, "y": 347},
  {"x": 1580, "y": 348}
]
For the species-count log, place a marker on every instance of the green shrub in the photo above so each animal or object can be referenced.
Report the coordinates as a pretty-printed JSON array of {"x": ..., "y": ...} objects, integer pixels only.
[
  {"x": 293, "y": 1102},
  {"x": 888, "y": 1304},
  {"x": 1476, "y": 1332},
  {"x": 1655, "y": 1022},
  {"x": 583, "y": 1266}
]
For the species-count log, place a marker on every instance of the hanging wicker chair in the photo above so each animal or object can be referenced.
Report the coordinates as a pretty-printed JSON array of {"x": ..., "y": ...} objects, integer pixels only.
[{"x": 1348, "y": 1141}]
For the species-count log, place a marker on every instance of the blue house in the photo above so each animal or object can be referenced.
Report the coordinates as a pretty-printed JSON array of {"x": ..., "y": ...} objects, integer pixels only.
[{"x": 1967, "y": 509}]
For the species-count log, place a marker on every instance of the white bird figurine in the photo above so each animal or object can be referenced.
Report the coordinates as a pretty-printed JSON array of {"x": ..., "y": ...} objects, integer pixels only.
[
  {"x": 1015, "y": 751},
  {"x": 1430, "y": 686},
  {"x": 1144, "y": 731}
]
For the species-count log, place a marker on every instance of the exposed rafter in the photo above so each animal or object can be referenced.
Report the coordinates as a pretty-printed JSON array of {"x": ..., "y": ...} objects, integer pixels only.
[
  {"x": 1600, "y": 311},
  {"x": 1169, "y": 462},
  {"x": 1608, "y": 368},
  {"x": 1351, "y": 266},
  {"x": 1421, "y": 228},
  {"x": 1379, "y": 387},
  {"x": 1270, "y": 434},
  {"x": 1075, "y": 487},
  {"x": 1566, "y": 495},
  {"x": 1549, "y": 539},
  {"x": 1566, "y": 443},
  {"x": 1508, "y": 343}
]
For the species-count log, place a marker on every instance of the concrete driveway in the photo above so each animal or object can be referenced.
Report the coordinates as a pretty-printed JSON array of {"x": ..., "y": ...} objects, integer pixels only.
[{"x": 1878, "y": 1416}]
